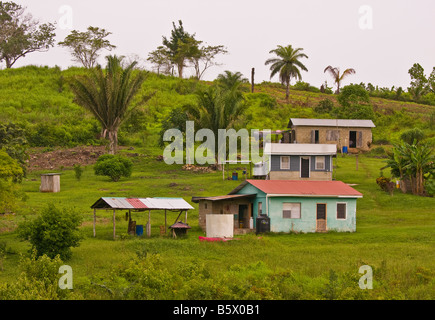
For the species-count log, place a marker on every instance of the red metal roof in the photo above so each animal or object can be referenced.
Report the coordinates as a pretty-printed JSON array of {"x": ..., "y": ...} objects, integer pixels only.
[
  {"x": 137, "y": 204},
  {"x": 305, "y": 188}
]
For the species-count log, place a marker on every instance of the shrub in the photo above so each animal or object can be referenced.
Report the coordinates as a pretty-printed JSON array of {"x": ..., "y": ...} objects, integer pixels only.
[
  {"x": 38, "y": 281},
  {"x": 78, "y": 170},
  {"x": 53, "y": 233},
  {"x": 113, "y": 166},
  {"x": 412, "y": 135},
  {"x": 324, "y": 106}
]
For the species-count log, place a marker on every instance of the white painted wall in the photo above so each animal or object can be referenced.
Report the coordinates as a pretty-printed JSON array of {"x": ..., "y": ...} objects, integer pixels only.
[{"x": 220, "y": 225}]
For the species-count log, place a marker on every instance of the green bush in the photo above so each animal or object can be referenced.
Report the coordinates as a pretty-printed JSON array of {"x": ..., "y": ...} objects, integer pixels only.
[
  {"x": 324, "y": 106},
  {"x": 38, "y": 280},
  {"x": 78, "y": 170},
  {"x": 113, "y": 166},
  {"x": 53, "y": 233}
]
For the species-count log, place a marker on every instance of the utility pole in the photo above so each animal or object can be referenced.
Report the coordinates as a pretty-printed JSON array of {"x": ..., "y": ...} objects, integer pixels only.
[{"x": 252, "y": 79}]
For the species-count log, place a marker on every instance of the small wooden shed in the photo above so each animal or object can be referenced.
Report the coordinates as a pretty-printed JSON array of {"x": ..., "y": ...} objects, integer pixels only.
[
  {"x": 50, "y": 182},
  {"x": 179, "y": 229}
]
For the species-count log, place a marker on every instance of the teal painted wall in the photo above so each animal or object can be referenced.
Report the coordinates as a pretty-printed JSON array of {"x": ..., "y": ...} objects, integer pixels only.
[
  {"x": 261, "y": 197},
  {"x": 307, "y": 222}
]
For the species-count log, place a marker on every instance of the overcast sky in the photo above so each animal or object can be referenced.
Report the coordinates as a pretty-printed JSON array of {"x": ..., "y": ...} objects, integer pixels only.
[{"x": 381, "y": 40}]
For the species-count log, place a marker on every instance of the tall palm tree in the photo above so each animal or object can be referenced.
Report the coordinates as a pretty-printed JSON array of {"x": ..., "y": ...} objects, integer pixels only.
[
  {"x": 107, "y": 94},
  {"x": 335, "y": 73},
  {"x": 287, "y": 64}
]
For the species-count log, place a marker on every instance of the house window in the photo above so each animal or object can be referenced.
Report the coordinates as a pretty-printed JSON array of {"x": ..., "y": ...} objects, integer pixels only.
[
  {"x": 260, "y": 208},
  {"x": 285, "y": 163},
  {"x": 320, "y": 163},
  {"x": 332, "y": 135},
  {"x": 341, "y": 210},
  {"x": 205, "y": 205},
  {"x": 291, "y": 210}
]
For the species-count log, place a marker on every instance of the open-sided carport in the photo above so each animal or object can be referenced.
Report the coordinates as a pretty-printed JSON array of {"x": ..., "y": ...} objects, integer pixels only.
[{"x": 141, "y": 205}]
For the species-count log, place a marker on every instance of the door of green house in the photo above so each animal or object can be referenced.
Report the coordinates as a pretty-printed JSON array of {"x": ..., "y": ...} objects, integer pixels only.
[
  {"x": 243, "y": 215},
  {"x": 321, "y": 217}
]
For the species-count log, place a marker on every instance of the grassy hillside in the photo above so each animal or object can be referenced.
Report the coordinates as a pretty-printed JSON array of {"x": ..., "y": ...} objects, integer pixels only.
[
  {"x": 39, "y": 100},
  {"x": 394, "y": 233}
]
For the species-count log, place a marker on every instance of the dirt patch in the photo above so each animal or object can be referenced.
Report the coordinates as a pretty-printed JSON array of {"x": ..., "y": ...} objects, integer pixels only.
[{"x": 63, "y": 158}]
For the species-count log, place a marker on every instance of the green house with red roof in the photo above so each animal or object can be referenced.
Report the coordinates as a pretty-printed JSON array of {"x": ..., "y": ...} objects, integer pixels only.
[{"x": 290, "y": 205}]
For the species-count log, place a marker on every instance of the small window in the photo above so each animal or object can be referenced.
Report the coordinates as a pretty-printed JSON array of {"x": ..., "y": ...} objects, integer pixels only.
[
  {"x": 320, "y": 163},
  {"x": 260, "y": 208},
  {"x": 291, "y": 210},
  {"x": 205, "y": 205},
  {"x": 332, "y": 135},
  {"x": 341, "y": 211},
  {"x": 285, "y": 162}
]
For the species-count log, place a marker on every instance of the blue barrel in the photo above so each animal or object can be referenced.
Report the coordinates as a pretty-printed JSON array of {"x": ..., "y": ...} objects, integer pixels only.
[
  {"x": 344, "y": 149},
  {"x": 235, "y": 176},
  {"x": 139, "y": 230}
]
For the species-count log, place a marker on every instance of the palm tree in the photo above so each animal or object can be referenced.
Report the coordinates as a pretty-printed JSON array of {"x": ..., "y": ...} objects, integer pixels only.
[
  {"x": 287, "y": 64},
  {"x": 335, "y": 73},
  {"x": 107, "y": 94},
  {"x": 219, "y": 106}
]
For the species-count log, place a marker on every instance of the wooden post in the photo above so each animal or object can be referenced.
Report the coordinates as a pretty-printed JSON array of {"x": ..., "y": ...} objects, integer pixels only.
[
  {"x": 185, "y": 216},
  {"x": 95, "y": 220},
  {"x": 166, "y": 224},
  {"x": 114, "y": 228},
  {"x": 149, "y": 224}
]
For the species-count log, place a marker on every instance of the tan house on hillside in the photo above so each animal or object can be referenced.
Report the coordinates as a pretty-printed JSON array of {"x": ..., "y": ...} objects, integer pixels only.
[{"x": 348, "y": 134}]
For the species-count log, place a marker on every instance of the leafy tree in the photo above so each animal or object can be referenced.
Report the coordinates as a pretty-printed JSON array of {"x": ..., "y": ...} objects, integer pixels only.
[
  {"x": 180, "y": 46},
  {"x": 85, "y": 46},
  {"x": 287, "y": 64},
  {"x": 108, "y": 93},
  {"x": 13, "y": 141},
  {"x": 11, "y": 173},
  {"x": 113, "y": 166},
  {"x": 53, "y": 232},
  {"x": 205, "y": 58},
  {"x": 337, "y": 76},
  {"x": 161, "y": 59},
  {"x": 353, "y": 94},
  {"x": 20, "y": 34}
]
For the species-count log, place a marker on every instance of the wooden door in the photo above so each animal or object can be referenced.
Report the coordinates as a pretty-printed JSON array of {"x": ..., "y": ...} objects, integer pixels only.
[
  {"x": 321, "y": 217},
  {"x": 305, "y": 167}
]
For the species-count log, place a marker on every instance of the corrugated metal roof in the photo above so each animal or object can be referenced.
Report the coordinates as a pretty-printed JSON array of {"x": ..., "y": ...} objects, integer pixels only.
[
  {"x": 302, "y": 188},
  {"x": 142, "y": 203},
  {"x": 225, "y": 197},
  {"x": 331, "y": 123},
  {"x": 180, "y": 225},
  {"x": 300, "y": 149}
]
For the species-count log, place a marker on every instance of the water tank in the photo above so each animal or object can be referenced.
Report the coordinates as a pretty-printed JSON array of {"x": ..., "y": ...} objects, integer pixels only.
[{"x": 263, "y": 224}]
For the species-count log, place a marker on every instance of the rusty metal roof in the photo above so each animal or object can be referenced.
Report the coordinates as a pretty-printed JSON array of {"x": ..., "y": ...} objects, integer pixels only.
[
  {"x": 180, "y": 225},
  {"x": 142, "y": 203}
]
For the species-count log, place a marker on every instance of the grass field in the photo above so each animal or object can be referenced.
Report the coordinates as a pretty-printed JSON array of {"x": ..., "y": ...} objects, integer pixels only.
[{"x": 395, "y": 236}]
